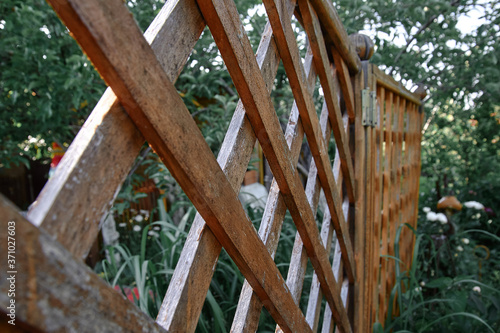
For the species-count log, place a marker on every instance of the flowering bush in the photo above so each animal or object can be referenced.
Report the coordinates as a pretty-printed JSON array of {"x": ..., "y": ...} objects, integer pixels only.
[{"x": 452, "y": 285}]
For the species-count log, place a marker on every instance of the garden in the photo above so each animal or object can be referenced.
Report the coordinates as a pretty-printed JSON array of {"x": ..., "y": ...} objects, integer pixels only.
[{"x": 451, "y": 47}]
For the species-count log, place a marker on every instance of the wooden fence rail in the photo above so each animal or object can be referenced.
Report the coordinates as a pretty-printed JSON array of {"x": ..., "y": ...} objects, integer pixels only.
[{"x": 371, "y": 188}]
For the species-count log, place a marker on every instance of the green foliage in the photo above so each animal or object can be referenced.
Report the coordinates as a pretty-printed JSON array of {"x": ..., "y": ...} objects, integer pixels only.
[
  {"x": 452, "y": 285},
  {"x": 47, "y": 86}
]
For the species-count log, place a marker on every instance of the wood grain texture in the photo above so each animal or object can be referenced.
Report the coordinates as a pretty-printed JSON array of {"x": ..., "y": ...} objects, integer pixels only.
[
  {"x": 345, "y": 82},
  {"x": 236, "y": 51},
  {"x": 386, "y": 202},
  {"x": 331, "y": 96},
  {"x": 194, "y": 271},
  {"x": 249, "y": 306},
  {"x": 103, "y": 29},
  {"x": 389, "y": 83},
  {"x": 337, "y": 33},
  {"x": 378, "y": 200},
  {"x": 285, "y": 39},
  {"x": 360, "y": 205},
  {"x": 104, "y": 150},
  {"x": 369, "y": 215},
  {"x": 55, "y": 291}
]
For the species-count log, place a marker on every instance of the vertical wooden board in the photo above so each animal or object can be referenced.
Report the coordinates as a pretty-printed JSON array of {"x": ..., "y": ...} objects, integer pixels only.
[
  {"x": 394, "y": 194},
  {"x": 386, "y": 217},
  {"x": 370, "y": 218},
  {"x": 378, "y": 200},
  {"x": 360, "y": 207},
  {"x": 104, "y": 150},
  {"x": 405, "y": 178}
]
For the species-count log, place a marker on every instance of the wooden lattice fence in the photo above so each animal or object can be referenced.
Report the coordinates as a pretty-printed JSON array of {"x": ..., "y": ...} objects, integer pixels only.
[{"x": 370, "y": 189}]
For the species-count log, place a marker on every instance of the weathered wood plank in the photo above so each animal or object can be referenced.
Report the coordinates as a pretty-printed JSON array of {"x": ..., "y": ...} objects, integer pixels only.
[
  {"x": 345, "y": 83},
  {"x": 386, "y": 211},
  {"x": 315, "y": 35},
  {"x": 315, "y": 295},
  {"x": 314, "y": 303},
  {"x": 360, "y": 205},
  {"x": 103, "y": 29},
  {"x": 285, "y": 39},
  {"x": 249, "y": 306},
  {"x": 369, "y": 219},
  {"x": 336, "y": 32},
  {"x": 389, "y": 83},
  {"x": 223, "y": 20},
  {"x": 194, "y": 271},
  {"x": 54, "y": 290},
  {"x": 104, "y": 150},
  {"x": 328, "y": 325},
  {"x": 378, "y": 200}
]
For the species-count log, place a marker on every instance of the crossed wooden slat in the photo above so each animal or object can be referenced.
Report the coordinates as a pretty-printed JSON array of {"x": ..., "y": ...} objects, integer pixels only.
[{"x": 142, "y": 79}]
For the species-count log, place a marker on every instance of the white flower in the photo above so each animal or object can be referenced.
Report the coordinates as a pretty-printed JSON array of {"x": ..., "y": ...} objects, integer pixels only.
[
  {"x": 431, "y": 216},
  {"x": 490, "y": 221},
  {"x": 474, "y": 204},
  {"x": 422, "y": 283},
  {"x": 459, "y": 248},
  {"x": 426, "y": 209},
  {"x": 441, "y": 218},
  {"x": 153, "y": 233},
  {"x": 138, "y": 218},
  {"x": 465, "y": 241},
  {"x": 418, "y": 289},
  {"x": 137, "y": 228},
  {"x": 156, "y": 227},
  {"x": 122, "y": 225},
  {"x": 477, "y": 289}
]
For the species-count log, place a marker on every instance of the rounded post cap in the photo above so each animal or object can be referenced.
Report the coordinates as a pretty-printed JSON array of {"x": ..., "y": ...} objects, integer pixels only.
[{"x": 363, "y": 44}]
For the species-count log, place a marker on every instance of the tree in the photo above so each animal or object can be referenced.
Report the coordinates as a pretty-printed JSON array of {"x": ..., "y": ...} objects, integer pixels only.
[{"x": 47, "y": 86}]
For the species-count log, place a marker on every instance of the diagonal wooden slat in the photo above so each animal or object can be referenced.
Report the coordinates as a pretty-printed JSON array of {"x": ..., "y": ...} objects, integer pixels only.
[
  {"x": 288, "y": 48},
  {"x": 103, "y": 29},
  {"x": 104, "y": 150},
  {"x": 53, "y": 290},
  {"x": 194, "y": 271},
  {"x": 298, "y": 260},
  {"x": 249, "y": 306},
  {"x": 345, "y": 82},
  {"x": 298, "y": 263},
  {"x": 336, "y": 32},
  {"x": 223, "y": 20},
  {"x": 313, "y": 29}
]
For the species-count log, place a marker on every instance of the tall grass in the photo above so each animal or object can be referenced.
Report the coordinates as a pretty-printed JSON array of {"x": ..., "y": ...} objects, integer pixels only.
[{"x": 429, "y": 299}]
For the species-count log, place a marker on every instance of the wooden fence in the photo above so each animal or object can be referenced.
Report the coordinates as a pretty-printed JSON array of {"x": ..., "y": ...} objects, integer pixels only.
[{"x": 371, "y": 188}]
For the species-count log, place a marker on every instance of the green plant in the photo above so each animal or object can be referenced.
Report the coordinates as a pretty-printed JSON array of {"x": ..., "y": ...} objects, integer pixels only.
[{"x": 452, "y": 283}]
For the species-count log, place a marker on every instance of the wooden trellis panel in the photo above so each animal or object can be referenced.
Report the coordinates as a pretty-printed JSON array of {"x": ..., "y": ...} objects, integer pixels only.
[{"x": 370, "y": 189}]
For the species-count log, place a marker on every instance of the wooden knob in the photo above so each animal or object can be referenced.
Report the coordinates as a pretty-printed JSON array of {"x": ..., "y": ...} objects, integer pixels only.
[{"x": 364, "y": 45}]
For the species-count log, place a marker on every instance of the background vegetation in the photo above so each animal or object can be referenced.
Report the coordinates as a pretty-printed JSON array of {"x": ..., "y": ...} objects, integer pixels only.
[{"x": 48, "y": 88}]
